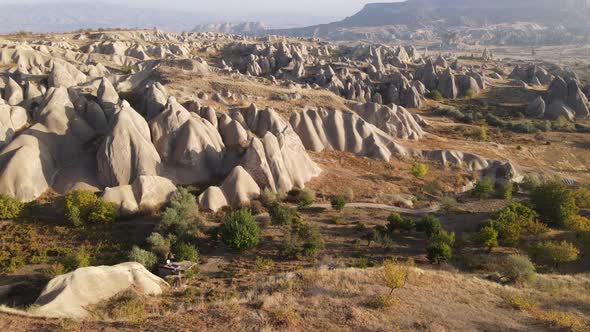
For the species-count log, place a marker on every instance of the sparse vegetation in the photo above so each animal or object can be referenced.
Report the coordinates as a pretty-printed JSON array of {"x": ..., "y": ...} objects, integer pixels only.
[
  {"x": 76, "y": 259},
  {"x": 305, "y": 198},
  {"x": 434, "y": 95},
  {"x": 10, "y": 208},
  {"x": 281, "y": 214}
]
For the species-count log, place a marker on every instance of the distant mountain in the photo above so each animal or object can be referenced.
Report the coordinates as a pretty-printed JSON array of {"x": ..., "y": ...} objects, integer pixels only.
[
  {"x": 502, "y": 20},
  {"x": 243, "y": 28},
  {"x": 69, "y": 16}
]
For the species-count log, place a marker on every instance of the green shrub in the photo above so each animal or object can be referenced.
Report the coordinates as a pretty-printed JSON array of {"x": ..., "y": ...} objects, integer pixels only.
[
  {"x": 338, "y": 203},
  {"x": 185, "y": 252},
  {"x": 305, "y": 198},
  {"x": 144, "y": 257},
  {"x": 438, "y": 252},
  {"x": 281, "y": 215},
  {"x": 434, "y": 95},
  {"x": 82, "y": 207},
  {"x": 448, "y": 204},
  {"x": 529, "y": 183},
  {"x": 554, "y": 252},
  {"x": 504, "y": 190},
  {"x": 469, "y": 93},
  {"x": 430, "y": 225},
  {"x": 443, "y": 237},
  {"x": 397, "y": 222},
  {"x": 268, "y": 197},
  {"x": 483, "y": 188},
  {"x": 181, "y": 218},
  {"x": 418, "y": 170},
  {"x": 488, "y": 237},
  {"x": 518, "y": 268},
  {"x": 239, "y": 230},
  {"x": 10, "y": 208},
  {"x": 554, "y": 202},
  {"x": 159, "y": 245},
  {"x": 75, "y": 260}
]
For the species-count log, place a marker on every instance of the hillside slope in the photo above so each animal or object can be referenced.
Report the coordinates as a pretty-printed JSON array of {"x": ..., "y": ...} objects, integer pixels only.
[{"x": 503, "y": 21}]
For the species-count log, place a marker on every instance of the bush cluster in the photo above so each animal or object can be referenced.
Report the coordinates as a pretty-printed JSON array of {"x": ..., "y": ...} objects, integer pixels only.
[
  {"x": 418, "y": 170},
  {"x": 440, "y": 242},
  {"x": 553, "y": 252},
  {"x": 302, "y": 239},
  {"x": 338, "y": 202},
  {"x": 83, "y": 207},
  {"x": 281, "y": 215}
]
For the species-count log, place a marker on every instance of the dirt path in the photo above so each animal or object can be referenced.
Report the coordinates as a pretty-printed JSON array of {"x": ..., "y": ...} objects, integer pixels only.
[{"x": 383, "y": 207}]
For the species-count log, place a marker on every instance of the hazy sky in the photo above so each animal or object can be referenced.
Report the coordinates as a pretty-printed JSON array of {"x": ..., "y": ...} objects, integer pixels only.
[{"x": 328, "y": 8}]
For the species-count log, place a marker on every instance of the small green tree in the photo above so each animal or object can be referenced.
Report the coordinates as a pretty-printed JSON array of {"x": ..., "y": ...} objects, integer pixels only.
[
  {"x": 10, "y": 208},
  {"x": 488, "y": 237},
  {"x": 181, "y": 218},
  {"x": 143, "y": 257},
  {"x": 554, "y": 202},
  {"x": 239, "y": 230},
  {"x": 554, "y": 252},
  {"x": 312, "y": 239},
  {"x": 419, "y": 170},
  {"x": 430, "y": 225},
  {"x": 511, "y": 221},
  {"x": 338, "y": 203},
  {"x": 438, "y": 252}
]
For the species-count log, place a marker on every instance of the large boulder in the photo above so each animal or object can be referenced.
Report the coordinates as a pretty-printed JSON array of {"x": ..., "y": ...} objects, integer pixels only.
[{"x": 71, "y": 295}]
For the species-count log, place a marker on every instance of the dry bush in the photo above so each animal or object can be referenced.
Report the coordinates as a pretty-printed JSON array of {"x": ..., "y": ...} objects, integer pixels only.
[
  {"x": 396, "y": 274},
  {"x": 285, "y": 317}
]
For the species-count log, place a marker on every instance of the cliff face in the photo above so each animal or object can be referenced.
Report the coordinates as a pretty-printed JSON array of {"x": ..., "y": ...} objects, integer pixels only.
[{"x": 520, "y": 21}]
